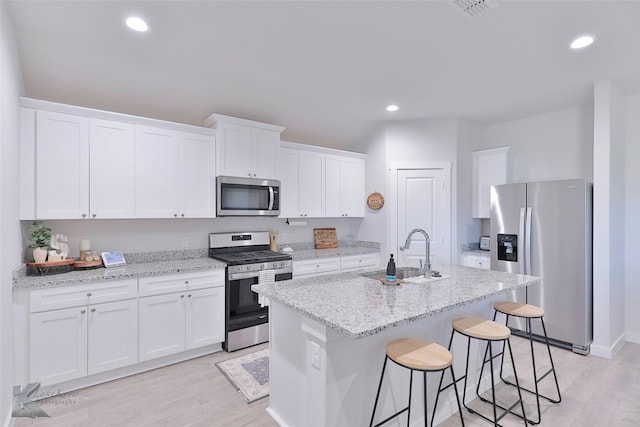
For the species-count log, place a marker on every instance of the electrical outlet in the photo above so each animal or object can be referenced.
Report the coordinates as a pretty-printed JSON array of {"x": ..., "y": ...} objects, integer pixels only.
[
  {"x": 185, "y": 242},
  {"x": 315, "y": 354}
]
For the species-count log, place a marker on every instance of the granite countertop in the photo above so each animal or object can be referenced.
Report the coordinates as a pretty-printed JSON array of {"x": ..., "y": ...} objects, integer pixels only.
[
  {"x": 130, "y": 271},
  {"x": 306, "y": 251},
  {"x": 358, "y": 306}
]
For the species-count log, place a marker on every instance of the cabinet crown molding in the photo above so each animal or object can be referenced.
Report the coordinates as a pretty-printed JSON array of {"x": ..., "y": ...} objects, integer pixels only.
[{"x": 215, "y": 118}]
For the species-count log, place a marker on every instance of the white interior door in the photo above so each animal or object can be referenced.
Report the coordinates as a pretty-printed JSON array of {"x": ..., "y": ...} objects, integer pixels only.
[{"x": 422, "y": 203}]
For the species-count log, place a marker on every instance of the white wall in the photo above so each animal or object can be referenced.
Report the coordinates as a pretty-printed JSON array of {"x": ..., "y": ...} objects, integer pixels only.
[
  {"x": 632, "y": 218},
  {"x": 469, "y": 229},
  {"x": 550, "y": 146},
  {"x": 406, "y": 141},
  {"x": 152, "y": 235},
  {"x": 376, "y": 223},
  {"x": 11, "y": 88},
  {"x": 608, "y": 220}
]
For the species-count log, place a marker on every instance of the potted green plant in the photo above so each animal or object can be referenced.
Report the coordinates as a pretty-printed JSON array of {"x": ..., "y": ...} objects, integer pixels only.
[{"x": 39, "y": 239}]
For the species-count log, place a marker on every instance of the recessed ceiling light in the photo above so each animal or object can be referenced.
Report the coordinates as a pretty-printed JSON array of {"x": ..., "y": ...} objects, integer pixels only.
[
  {"x": 392, "y": 108},
  {"x": 136, "y": 23},
  {"x": 582, "y": 41}
]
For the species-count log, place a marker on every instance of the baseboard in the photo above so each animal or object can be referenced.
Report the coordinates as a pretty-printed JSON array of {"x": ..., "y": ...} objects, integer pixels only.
[
  {"x": 611, "y": 351},
  {"x": 633, "y": 337},
  {"x": 276, "y": 417}
]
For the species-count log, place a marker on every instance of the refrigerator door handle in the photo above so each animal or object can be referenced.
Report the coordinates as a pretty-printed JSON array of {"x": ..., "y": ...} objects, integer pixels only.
[
  {"x": 527, "y": 242},
  {"x": 522, "y": 237}
]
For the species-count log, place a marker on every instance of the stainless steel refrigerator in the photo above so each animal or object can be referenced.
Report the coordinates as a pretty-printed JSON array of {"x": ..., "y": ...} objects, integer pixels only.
[{"x": 545, "y": 229}]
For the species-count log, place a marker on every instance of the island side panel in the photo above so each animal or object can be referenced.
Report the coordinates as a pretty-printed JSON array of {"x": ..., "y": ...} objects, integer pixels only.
[{"x": 320, "y": 377}]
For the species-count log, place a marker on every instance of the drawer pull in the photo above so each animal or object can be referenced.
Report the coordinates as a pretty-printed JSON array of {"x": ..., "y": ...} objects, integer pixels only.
[{"x": 88, "y": 294}]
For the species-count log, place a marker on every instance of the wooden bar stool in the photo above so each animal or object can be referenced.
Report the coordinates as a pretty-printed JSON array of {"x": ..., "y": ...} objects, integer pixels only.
[
  {"x": 528, "y": 312},
  {"x": 417, "y": 355},
  {"x": 489, "y": 331}
]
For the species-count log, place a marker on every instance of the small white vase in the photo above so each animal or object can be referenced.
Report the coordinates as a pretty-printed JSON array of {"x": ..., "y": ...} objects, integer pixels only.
[{"x": 39, "y": 254}]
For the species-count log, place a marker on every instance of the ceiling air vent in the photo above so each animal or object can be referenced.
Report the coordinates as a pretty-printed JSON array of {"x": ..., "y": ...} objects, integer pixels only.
[{"x": 473, "y": 8}]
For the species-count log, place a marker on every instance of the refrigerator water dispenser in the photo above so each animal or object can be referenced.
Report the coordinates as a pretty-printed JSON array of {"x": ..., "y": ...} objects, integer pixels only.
[{"x": 508, "y": 247}]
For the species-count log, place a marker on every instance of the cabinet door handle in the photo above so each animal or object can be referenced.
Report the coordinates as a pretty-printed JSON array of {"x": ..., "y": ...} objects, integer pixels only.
[
  {"x": 88, "y": 294},
  {"x": 249, "y": 174},
  {"x": 93, "y": 310},
  {"x": 175, "y": 215},
  {"x": 182, "y": 215},
  {"x": 84, "y": 215},
  {"x": 186, "y": 282},
  {"x": 83, "y": 311},
  {"x": 189, "y": 295},
  {"x": 93, "y": 215},
  {"x": 182, "y": 296}
]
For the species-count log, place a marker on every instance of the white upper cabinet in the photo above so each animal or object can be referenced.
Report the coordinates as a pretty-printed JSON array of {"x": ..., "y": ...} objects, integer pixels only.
[
  {"x": 245, "y": 148},
  {"x": 174, "y": 174},
  {"x": 490, "y": 167},
  {"x": 111, "y": 169},
  {"x": 157, "y": 173},
  {"x": 77, "y": 163},
  {"x": 344, "y": 186},
  {"x": 302, "y": 183},
  {"x": 198, "y": 188},
  {"x": 61, "y": 166}
]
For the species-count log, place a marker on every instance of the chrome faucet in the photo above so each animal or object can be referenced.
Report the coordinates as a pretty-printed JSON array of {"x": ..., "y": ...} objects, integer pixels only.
[{"x": 426, "y": 268}]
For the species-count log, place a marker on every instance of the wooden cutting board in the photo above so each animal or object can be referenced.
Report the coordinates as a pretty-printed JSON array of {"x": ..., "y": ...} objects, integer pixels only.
[{"x": 325, "y": 238}]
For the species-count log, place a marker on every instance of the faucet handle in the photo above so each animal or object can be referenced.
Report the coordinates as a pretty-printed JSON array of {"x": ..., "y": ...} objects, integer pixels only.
[{"x": 421, "y": 265}]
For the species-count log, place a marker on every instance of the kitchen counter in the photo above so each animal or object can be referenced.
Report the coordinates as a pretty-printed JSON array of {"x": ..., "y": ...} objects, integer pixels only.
[
  {"x": 142, "y": 269},
  {"x": 306, "y": 251},
  {"x": 328, "y": 336},
  {"x": 344, "y": 302}
]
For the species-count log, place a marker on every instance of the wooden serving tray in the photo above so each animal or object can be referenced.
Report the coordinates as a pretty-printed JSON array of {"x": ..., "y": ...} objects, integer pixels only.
[
  {"x": 51, "y": 263},
  {"x": 84, "y": 265},
  {"x": 325, "y": 238}
]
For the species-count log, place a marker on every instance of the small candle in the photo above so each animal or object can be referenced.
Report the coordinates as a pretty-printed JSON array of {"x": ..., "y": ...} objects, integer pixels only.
[{"x": 85, "y": 245}]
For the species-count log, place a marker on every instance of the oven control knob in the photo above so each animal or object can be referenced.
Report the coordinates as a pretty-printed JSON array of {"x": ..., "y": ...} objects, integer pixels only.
[{"x": 248, "y": 267}]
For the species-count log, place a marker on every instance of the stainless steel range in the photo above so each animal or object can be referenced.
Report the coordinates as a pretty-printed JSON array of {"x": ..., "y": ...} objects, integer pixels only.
[{"x": 246, "y": 255}]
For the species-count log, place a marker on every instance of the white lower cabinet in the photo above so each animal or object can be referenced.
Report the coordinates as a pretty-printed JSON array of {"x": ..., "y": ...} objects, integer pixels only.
[
  {"x": 359, "y": 262},
  {"x": 476, "y": 261},
  {"x": 178, "y": 321},
  {"x": 58, "y": 345},
  {"x": 81, "y": 337},
  {"x": 313, "y": 267}
]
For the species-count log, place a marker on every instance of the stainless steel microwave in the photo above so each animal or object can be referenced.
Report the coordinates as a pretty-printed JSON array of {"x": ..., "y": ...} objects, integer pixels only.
[{"x": 247, "y": 196}]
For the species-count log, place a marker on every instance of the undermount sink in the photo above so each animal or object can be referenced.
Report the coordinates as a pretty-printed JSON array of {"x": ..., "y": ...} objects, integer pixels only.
[
  {"x": 408, "y": 274},
  {"x": 401, "y": 273}
]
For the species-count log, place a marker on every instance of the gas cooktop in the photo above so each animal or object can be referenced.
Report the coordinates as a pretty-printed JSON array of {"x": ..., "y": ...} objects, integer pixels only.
[{"x": 250, "y": 257}]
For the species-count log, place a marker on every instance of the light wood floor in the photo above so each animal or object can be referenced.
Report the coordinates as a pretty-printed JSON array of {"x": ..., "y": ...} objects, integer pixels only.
[{"x": 595, "y": 392}]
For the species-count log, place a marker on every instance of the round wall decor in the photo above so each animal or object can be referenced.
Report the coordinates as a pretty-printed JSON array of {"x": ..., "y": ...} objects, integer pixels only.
[{"x": 375, "y": 201}]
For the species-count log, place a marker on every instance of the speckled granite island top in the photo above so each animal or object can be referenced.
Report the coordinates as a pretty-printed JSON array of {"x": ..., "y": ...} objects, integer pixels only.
[{"x": 358, "y": 306}]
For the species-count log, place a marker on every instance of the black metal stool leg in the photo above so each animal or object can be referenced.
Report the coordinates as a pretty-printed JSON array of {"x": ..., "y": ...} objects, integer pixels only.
[
  {"x": 515, "y": 374},
  {"x": 384, "y": 366},
  {"x": 553, "y": 368}
]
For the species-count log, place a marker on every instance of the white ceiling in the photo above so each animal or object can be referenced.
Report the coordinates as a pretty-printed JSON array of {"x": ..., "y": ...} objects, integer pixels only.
[{"x": 325, "y": 70}]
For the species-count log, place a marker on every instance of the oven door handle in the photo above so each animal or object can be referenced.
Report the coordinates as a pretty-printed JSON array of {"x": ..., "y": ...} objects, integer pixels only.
[{"x": 255, "y": 274}]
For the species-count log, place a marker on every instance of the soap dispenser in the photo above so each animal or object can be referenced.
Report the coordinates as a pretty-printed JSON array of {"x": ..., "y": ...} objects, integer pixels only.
[{"x": 391, "y": 270}]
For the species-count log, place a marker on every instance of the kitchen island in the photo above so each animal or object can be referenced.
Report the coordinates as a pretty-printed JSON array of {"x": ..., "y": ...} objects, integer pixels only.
[{"x": 328, "y": 335}]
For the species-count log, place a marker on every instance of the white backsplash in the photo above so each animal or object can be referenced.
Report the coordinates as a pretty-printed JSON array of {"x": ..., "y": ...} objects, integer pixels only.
[{"x": 153, "y": 235}]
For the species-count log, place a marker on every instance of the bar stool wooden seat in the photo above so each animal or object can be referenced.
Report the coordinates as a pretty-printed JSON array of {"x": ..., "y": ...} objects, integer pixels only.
[
  {"x": 416, "y": 355},
  {"x": 489, "y": 331},
  {"x": 528, "y": 312}
]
